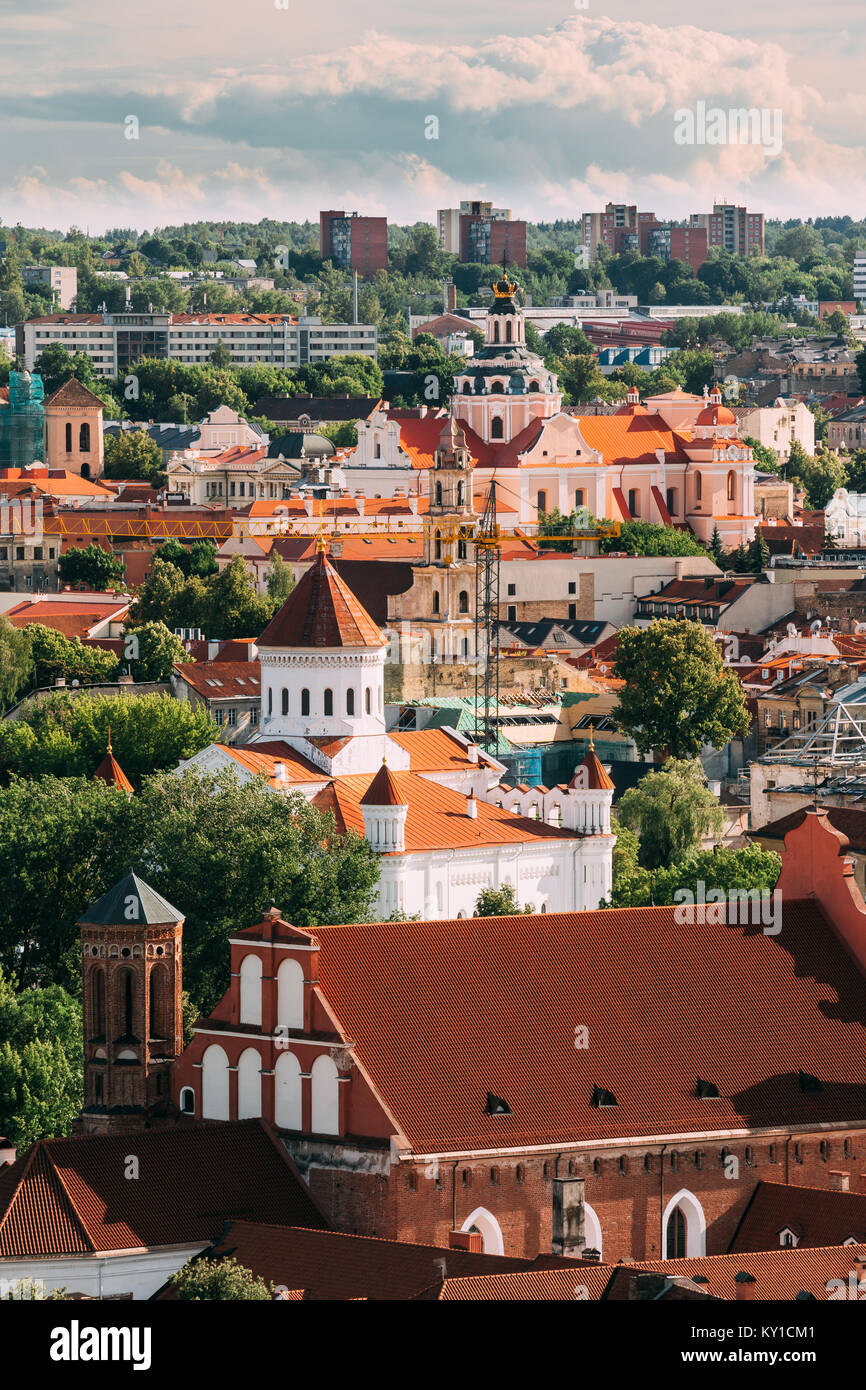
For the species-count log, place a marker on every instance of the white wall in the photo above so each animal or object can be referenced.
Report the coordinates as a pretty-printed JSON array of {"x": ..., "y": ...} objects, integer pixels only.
[{"x": 139, "y": 1274}]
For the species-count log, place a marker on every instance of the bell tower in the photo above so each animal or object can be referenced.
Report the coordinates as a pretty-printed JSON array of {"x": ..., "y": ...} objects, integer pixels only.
[
  {"x": 131, "y": 994},
  {"x": 450, "y": 508}
]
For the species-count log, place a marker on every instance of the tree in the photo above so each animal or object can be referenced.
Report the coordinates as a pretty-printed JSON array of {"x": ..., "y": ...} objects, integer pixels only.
[
  {"x": 221, "y": 355},
  {"x": 646, "y": 538},
  {"x": 202, "y": 1280},
  {"x": 821, "y": 476},
  {"x": 670, "y": 811},
  {"x": 741, "y": 562},
  {"x": 40, "y": 1062},
  {"x": 216, "y": 848},
  {"x": 281, "y": 580},
  {"x": 766, "y": 457},
  {"x": 16, "y": 662},
  {"x": 678, "y": 695},
  {"x": 158, "y": 649},
  {"x": 133, "y": 454},
  {"x": 91, "y": 566},
  {"x": 759, "y": 552},
  {"x": 499, "y": 902},
  {"x": 751, "y": 870},
  {"x": 717, "y": 550},
  {"x": 66, "y": 735},
  {"x": 55, "y": 657},
  {"x": 233, "y": 608}
]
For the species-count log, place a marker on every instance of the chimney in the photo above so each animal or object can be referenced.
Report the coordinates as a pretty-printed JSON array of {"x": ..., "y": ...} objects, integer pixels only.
[
  {"x": 471, "y": 806},
  {"x": 440, "y": 1270},
  {"x": 472, "y": 1241},
  {"x": 280, "y": 771},
  {"x": 213, "y": 650},
  {"x": 745, "y": 1286},
  {"x": 838, "y": 1181},
  {"x": 590, "y": 1253},
  {"x": 569, "y": 1217},
  {"x": 472, "y": 752}
]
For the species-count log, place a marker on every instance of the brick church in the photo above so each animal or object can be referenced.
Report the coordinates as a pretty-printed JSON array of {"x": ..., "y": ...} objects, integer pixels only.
[{"x": 460, "y": 1081}]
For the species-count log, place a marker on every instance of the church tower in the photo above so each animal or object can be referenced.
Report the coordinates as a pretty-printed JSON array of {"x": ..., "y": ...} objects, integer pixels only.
[
  {"x": 131, "y": 994},
  {"x": 73, "y": 430},
  {"x": 505, "y": 386},
  {"x": 450, "y": 508}
]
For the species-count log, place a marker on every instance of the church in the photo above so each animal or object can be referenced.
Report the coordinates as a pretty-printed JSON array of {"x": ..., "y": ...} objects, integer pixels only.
[
  {"x": 675, "y": 459},
  {"x": 430, "y": 802}
]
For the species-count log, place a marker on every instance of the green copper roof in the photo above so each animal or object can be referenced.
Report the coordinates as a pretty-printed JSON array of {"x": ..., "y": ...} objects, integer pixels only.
[{"x": 131, "y": 903}]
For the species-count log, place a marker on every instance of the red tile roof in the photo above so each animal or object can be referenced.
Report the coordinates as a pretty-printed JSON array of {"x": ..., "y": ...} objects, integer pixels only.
[
  {"x": 110, "y": 771},
  {"x": 436, "y": 819},
  {"x": 322, "y": 611},
  {"x": 596, "y": 777},
  {"x": 70, "y": 1196},
  {"x": 820, "y": 1217},
  {"x": 331, "y": 1265},
  {"x": 634, "y": 438},
  {"x": 383, "y": 790},
  {"x": 73, "y": 393},
  {"x": 222, "y": 680},
  {"x": 412, "y": 995},
  {"x": 850, "y": 821},
  {"x": 778, "y": 1274},
  {"x": 261, "y": 760}
]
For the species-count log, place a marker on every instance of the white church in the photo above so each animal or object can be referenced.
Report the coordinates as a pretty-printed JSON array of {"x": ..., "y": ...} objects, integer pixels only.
[{"x": 430, "y": 802}]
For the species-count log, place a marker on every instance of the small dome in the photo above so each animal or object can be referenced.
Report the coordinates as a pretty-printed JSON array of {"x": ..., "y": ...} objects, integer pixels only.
[{"x": 716, "y": 415}]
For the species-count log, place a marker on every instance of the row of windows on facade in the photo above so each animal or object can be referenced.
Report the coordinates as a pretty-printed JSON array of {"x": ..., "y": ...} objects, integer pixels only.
[
  {"x": 38, "y": 552},
  {"x": 288, "y": 1090},
  {"x": 126, "y": 986},
  {"x": 230, "y": 717},
  {"x": 327, "y": 701}
]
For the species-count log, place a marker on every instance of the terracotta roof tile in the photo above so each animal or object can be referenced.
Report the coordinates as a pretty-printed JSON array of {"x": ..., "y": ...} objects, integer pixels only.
[
  {"x": 411, "y": 994},
  {"x": 110, "y": 771},
  {"x": 778, "y": 1274},
  {"x": 322, "y": 611},
  {"x": 73, "y": 393},
  {"x": 383, "y": 790},
  {"x": 820, "y": 1217},
  {"x": 70, "y": 1196}
]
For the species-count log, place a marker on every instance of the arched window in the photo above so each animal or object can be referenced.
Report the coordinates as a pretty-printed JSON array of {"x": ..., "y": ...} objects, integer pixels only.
[
  {"x": 699, "y": 483},
  {"x": 160, "y": 1015},
  {"x": 463, "y": 601},
  {"x": 215, "y": 1084},
  {"x": 633, "y": 504},
  {"x": 84, "y": 439},
  {"x": 435, "y": 600},
  {"x": 329, "y": 701},
  {"x": 579, "y": 497},
  {"x": 127, "y": 1001},
  {"x": 68, "y": 438},
  {"x": 270, "y": 699},
  {"x": 555, "y": 817},
  {"x": 85, "y": 470},
  {"x": 671, "y": 500},
  {"x": 485, "y": 1223},
  {"x": 251, "y": 989},
  {"x": 249, "y": 1085},
  {"x": 187, "y": 1100},
  {"x": 288, "y": 1108},
  {"x": 675, "y": 1235},
  {"x": 437, "y": 546},
  {"x": 438, "y": 494},
  {"x": 290, "y": 995},
  {"x": 326, "y": 1096},
  {"x": 685, "y": 1226},
  {"x": 497, "y": 388},
  {"x": 284, "y": 701},
  {"x": 98, "y": 1001},
  {"x": 368, "y": 701},
  {"x": 541, "y": 501},
  {"x": 508, "y": 333},
  {"x": 732, "y": 485},
  {"x": 350, "y": 701},
  {"x": 496, "y": 332},
  {"x": 461, "y": 493},
  {"x": 305, "y": 701},
  {"x": 533, "y": 386}
]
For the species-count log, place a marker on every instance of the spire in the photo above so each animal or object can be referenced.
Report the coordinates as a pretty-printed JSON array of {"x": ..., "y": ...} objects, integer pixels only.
[
  {"x": 108, "y": 748},
  {"x": 591, "y": 736},
  {"x": 322, "y": 611},
  {"x": 383, "y": 790}
]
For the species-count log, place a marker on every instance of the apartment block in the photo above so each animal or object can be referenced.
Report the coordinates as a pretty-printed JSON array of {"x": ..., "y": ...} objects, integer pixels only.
[
  {"x": 62, "y": 280},
  {"x": 115, "y": 342},
  {"x": 735, "y": 228},
  {"x": 860, "y": 278},
  {"x": 448, "y": 220},
  {"x": 618, "y": 228},
  {"x": 353, "y": 242}
]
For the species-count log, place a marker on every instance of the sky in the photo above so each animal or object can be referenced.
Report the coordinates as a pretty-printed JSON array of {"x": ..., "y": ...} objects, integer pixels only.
[{"x": 277, "y": 108}]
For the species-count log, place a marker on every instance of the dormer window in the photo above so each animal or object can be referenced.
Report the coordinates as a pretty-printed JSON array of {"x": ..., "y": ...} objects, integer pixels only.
[
  {"x": 601, "y": 1099},
  {"x": 495, "y": 1105}
]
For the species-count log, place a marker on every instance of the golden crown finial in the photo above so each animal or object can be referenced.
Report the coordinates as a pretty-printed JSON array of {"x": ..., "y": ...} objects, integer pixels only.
[
  {"x": 591, "y": 737},
  {"x": 320, "y": 544}
]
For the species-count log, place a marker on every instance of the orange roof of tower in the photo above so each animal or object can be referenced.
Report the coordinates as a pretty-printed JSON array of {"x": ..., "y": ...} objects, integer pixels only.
[
  {"x": 383, "y": 790},
  {"x": 322, "y": 611}
]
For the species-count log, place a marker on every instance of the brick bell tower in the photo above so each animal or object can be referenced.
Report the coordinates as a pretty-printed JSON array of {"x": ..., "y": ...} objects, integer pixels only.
[{"x": 131, "y": 994}]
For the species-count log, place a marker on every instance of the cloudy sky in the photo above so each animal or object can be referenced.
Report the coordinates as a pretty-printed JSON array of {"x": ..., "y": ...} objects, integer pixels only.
[{"x": 549, "y": 107}]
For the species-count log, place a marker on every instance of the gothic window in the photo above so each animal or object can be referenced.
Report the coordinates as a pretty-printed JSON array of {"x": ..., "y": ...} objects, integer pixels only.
[
  {"x": 305, "y": 701},
  {"x": 215, "y": 1084},
  {"x": 437, "y": 546},
  {"x": 127, "y": 999},
  {"x": 461, "y": 493},
  {"x": 508, "y": 331},
  {"x": 84, "y": 439},
  {"x": 533, "y": 386},
  {"x": 287, "y": 1092},
  {"x": 329, "y": 701},
  {"x": 497, "y": 388},
  {"x": 496, "y": 332},
  {"x": 497, "y": 429},
  {"x": 290, "y": 994},
  {"x": 698, "y": 486},
  {"x": 675, "y": 1236},
  {"x": 249, "y": 1085},
  {"x": 99, "y": 1003},
  {"x": 159, "y": 1011}
]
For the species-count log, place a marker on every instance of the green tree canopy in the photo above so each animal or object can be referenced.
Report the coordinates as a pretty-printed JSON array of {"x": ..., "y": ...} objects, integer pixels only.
[
  {"x": 16, "y": 662},
  {"x": 498, "y": 902},
  {"x": 91, "y": 566},
  {"x": 157, "y": 651},
  {"x": 670, "y": 811},
  {"x": 40, "y": 1062},
  {"x": 203, "y": 1280},
  {"x": 678, "y": 695},
  {"x": 55, "y": 656},
  {"x": 133, "y": 454},
  {"x": 750, "y": 869}
]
